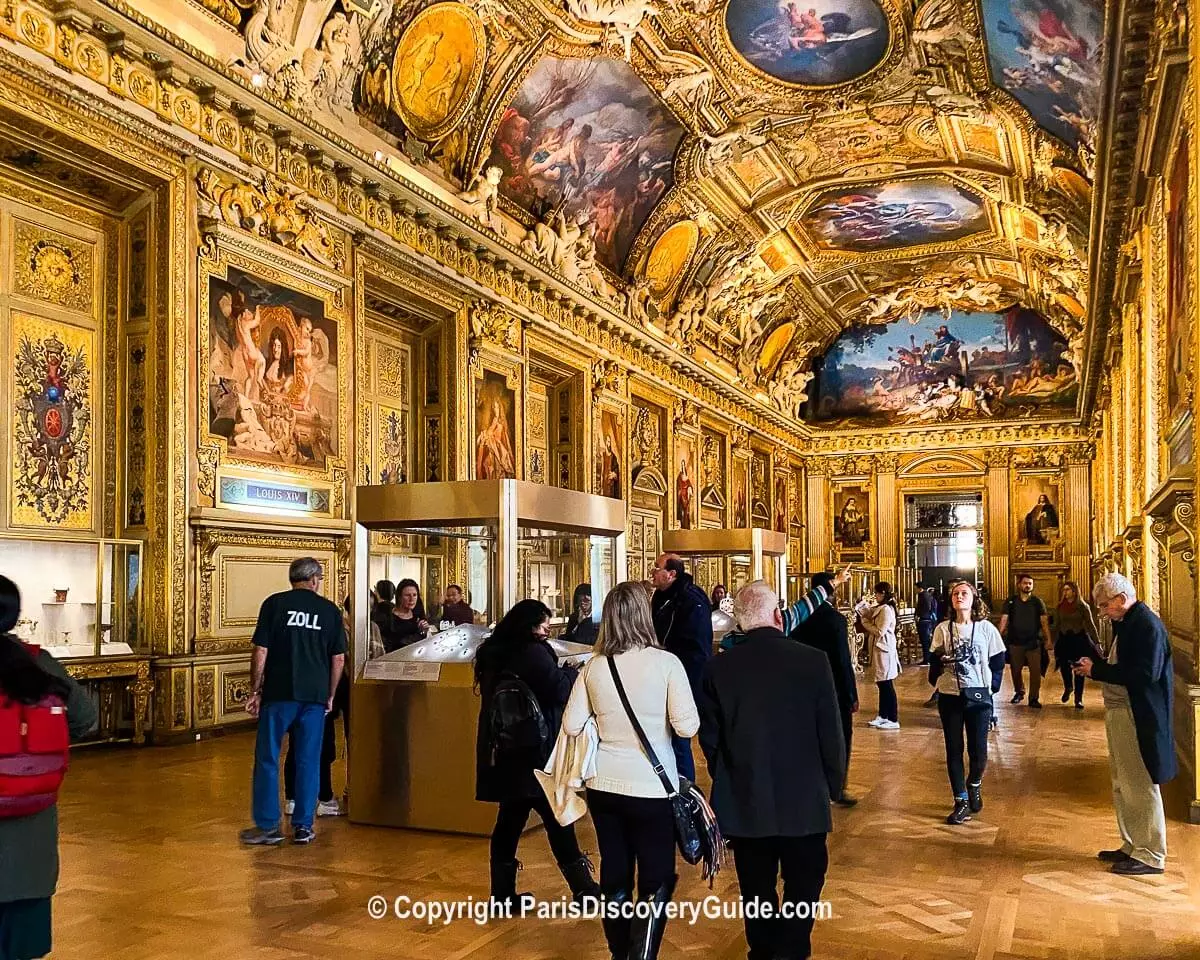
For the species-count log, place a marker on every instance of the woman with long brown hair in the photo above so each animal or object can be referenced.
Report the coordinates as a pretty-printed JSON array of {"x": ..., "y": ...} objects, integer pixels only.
[
  {"x": 629, "y": 804},
  {"x": 966, "y": 666},
  {"x": 1075, "y": 636}
]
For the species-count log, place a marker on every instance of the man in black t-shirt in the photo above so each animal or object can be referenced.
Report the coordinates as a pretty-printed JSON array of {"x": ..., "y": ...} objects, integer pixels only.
[
  {"x": 299, "y": 654},
  {"x": 1025, "y": 626}
]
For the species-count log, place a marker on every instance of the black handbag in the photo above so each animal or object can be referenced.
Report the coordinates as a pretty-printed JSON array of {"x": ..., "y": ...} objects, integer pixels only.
[
  {"x": 696, "y": 832},
  {"x": 974, "y": 696}
]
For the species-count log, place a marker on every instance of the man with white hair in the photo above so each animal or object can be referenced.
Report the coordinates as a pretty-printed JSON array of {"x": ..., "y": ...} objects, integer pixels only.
[
  {"x": 770, "y": 730},
  {"x": 1136, "y": 681}
]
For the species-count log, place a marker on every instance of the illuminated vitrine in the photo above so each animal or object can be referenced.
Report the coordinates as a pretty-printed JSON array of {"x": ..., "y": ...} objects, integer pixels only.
[{"x": 415, "y": 707}]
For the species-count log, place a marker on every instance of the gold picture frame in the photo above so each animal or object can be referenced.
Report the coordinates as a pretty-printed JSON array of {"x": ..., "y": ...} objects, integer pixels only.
[{"x": 280, "y": 288}]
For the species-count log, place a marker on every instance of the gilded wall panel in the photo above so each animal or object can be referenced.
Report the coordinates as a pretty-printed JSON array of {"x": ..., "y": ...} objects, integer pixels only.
[
  {"x": 237, "y": 570},
  {"x": 52, "y": 456},
  {"x": 53, "y": 268}
]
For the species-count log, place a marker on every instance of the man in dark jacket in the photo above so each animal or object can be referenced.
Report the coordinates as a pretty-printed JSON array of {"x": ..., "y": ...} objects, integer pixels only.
[
  {"x": 828, "y": 631},
  {"x": 683, "y": 623},
  {"x": 1136, "y": 681},
  {"x": 770, "y": 730}
]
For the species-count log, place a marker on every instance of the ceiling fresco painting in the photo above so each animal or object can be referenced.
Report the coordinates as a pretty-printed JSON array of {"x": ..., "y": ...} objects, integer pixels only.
[
  {"x": 746, "y": 181},
  {"x": 588, "y": 137},
  {"x": 898, "y": 214},
  {"x": 968, "y": 366},
  {"x": 1046, "y": 53},
  {"x": 809, "y": 42}
]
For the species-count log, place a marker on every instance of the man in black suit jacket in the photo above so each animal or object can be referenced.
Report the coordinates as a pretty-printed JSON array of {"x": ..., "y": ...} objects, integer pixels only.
[
  {"x": 770, "y": 731},
  {"x": 828, "y": 631},
  {"x": 1137, "y": 683}
]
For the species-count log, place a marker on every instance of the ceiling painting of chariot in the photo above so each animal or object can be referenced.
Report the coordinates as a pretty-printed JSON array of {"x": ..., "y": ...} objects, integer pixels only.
[
  {"x": 898, "y": 214},
  {"x": 814, "y": 43},
  {"x": 965, "y": 366},
  {"x": 1047, "y": 53},
  {"x": 588, "y": 137}
]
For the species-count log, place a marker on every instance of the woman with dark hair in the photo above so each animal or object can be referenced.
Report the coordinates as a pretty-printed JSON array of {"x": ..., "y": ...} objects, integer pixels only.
[
  {"x": 1075, "y": 636},
  {"x": 408, "y": 623},
  {"x": 581, "y": 628},
  {"x": 29, "y": 844},
  {"x": 967, "y": 666},
  {"x": 517, "y": 659},
  {"x": 383, "y": 602},
  {"x": 879, "y": 624},
  {"x": 719, "y": 593}
]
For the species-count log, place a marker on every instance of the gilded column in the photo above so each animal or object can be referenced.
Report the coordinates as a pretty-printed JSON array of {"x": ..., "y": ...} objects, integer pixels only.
[
  {"x": 999, "y": 536},
  {"x": 1078, "y": 515},
  {"x": 817, "y": 510},
  {"x": 885, "y": 510}
]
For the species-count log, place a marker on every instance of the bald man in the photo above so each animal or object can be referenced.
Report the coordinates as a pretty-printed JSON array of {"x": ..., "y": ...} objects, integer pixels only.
[
  {"x": 683, "y": 623},
  {"x": 770, "y": 730}
]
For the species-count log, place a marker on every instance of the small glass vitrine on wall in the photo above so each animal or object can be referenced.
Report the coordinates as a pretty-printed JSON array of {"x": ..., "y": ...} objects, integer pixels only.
[{"x": 79, "y": 598}]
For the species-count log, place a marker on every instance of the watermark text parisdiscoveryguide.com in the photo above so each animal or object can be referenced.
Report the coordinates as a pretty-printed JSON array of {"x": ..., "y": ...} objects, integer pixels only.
[{"x": 482, "y": 911}]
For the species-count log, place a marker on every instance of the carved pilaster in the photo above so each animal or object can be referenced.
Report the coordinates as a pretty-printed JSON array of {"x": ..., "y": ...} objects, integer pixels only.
[
  {"x": 818, "y": 525},
  {"x": 999, "y": 544}
]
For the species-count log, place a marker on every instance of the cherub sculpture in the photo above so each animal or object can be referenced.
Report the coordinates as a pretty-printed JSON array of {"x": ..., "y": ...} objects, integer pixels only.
[{"x": 482, "y": 194}]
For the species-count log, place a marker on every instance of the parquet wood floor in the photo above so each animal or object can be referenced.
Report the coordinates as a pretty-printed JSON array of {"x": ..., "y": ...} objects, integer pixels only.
[{"x": 152, "y": 868}]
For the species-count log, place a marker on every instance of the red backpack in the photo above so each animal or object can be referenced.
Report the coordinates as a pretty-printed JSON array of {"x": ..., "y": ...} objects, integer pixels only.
[{"x": 34, "y": 752}]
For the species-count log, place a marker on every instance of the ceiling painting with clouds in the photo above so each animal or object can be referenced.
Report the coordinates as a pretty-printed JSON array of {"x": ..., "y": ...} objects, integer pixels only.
[{"x": 968, "y": 366}]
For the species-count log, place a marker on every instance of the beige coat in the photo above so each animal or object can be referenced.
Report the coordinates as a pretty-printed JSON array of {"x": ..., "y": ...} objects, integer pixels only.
[{"x": 879, "y": 622}]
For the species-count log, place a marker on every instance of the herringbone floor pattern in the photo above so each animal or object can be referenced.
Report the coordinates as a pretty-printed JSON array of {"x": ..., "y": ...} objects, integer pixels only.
[{"x": 152, "y": 869}]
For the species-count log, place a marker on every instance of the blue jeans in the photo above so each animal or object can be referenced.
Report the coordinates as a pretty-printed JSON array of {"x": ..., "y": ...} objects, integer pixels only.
[
  {"x": 685, "y": 764},
  {"x": 306, "y": 721}
]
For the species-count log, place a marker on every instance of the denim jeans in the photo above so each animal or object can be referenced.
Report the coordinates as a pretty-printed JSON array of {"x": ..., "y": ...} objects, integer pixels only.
[
  {"x": 685, "y": 763},
  {"x": 306, "y": 721}
]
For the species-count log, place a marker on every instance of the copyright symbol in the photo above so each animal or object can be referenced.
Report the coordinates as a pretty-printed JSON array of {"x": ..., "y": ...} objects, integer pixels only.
[{"x": 377, "y": 907}]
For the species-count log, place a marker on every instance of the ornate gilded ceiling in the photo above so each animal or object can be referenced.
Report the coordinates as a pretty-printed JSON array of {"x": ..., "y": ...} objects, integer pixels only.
[{"x": 746, "y": 178}]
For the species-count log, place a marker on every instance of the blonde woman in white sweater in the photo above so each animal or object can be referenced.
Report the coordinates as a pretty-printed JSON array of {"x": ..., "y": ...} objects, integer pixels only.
[
  {"x": 879, "y": 624},
  {"x": 629, "y": 805}
]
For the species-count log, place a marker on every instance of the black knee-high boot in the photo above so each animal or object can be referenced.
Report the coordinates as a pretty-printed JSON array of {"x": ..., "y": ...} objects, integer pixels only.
[{"x": 646, "y": 934}]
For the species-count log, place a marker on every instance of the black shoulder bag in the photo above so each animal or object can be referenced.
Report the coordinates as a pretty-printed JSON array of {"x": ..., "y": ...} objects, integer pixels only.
[
  {"x": 688, "y": 806},
  {"x": 974, "y": 696}
]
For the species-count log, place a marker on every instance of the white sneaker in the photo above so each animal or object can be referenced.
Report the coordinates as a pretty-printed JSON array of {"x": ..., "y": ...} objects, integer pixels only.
[
  {"x": 329, "y": 808},
  {"x": 876, "y": 722},
  {"x": 890, "y": 725},
  {"x": 290, "y": 807}
]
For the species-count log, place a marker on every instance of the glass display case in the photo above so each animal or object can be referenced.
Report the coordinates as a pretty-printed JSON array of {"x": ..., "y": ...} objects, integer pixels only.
[
  {"x": 732, "y": 557},
  {"x": 79, "y": 598},
  {"x": 415, "y": 707}
]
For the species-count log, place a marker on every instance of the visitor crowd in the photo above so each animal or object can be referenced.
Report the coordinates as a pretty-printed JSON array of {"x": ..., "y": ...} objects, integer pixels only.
[{"x": 623, "y": 721}]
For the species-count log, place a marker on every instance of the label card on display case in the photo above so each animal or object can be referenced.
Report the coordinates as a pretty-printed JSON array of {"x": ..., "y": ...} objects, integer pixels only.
[
  {"x": 236, "y": 491},
  {"x": 422, "y": 671}
]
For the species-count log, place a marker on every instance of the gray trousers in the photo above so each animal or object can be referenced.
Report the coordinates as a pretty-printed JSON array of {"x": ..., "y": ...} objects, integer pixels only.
[{"x": 1136, "y": 799}]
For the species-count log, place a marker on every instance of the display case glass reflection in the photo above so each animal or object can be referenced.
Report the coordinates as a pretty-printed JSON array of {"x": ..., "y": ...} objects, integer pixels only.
[
  {"x": 79, "y": 598},
  {"x": 550, "y": 565}
]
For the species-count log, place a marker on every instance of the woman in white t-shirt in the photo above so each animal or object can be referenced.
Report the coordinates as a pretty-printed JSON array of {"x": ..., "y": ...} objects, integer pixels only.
[{"x": 966, "y": 654}]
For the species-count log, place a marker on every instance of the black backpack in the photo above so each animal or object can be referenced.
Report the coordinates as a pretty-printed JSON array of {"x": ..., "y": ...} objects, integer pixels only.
[{"x": 519, "y": 732}]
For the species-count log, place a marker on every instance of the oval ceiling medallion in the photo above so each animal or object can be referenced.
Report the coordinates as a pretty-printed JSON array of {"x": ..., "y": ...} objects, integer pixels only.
[
  {"x": 438, "y": 65},
  {"x": 669, "y": 257},
  {"x": 811, "y": 43},
  {"x": 776, "y": 343}
]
